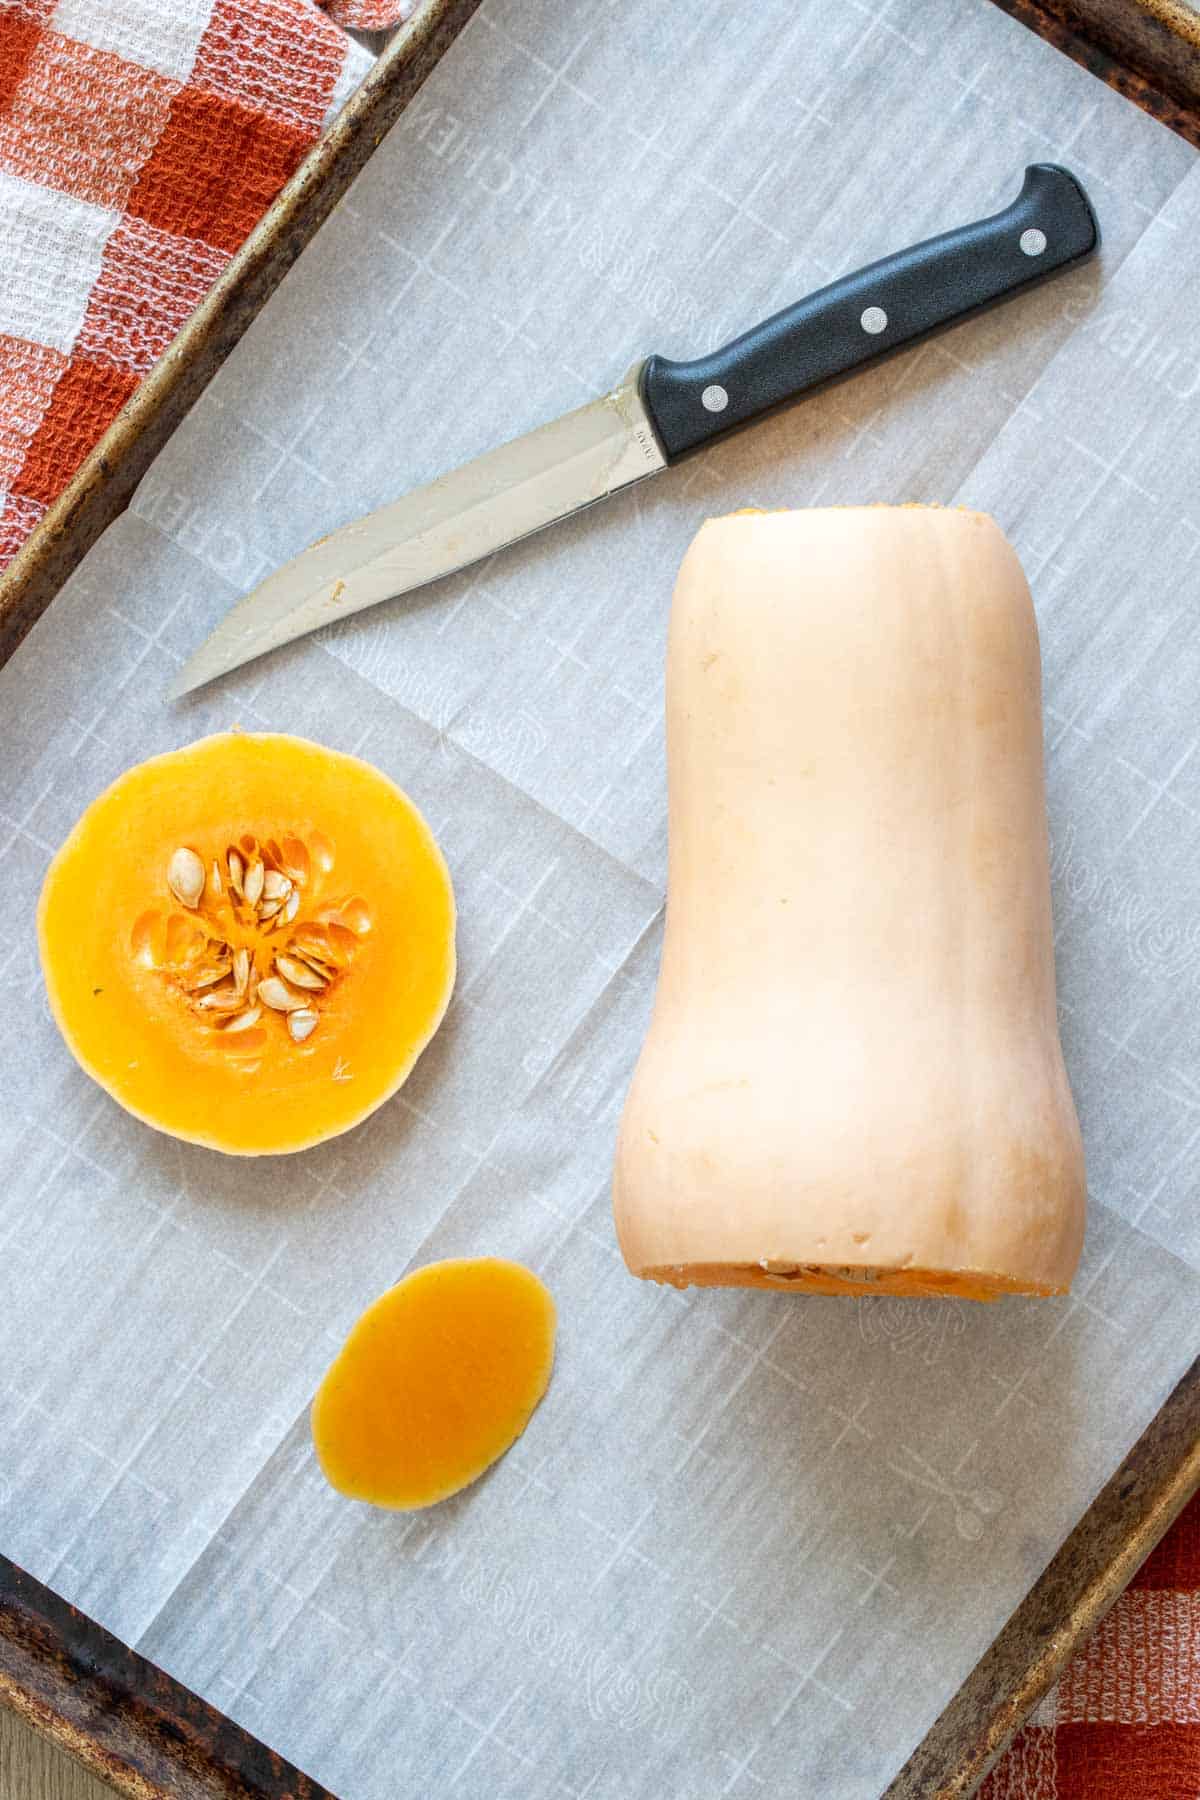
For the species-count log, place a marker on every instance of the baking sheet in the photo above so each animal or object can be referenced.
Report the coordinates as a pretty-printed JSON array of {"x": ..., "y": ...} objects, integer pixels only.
[{"x": 748, "y": 1538}]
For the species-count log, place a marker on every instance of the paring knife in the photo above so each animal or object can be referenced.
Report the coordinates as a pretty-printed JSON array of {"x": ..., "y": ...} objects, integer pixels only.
[{"x": 658, "y": 413}]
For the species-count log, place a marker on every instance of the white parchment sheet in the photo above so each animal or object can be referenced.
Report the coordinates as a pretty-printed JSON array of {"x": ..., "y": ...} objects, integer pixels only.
[{"x": 750, "y": 1543}]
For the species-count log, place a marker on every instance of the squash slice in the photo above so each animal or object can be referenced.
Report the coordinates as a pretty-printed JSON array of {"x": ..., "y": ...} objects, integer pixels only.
[{"x": 249, "y": 942}]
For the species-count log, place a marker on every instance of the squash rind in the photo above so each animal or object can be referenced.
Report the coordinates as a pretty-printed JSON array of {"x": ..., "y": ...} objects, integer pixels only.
[{"x": 854, "y": 1058}]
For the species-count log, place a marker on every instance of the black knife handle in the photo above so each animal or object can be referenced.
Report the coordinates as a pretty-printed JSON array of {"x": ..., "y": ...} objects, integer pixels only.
[{"x": 1048, "y": 227}]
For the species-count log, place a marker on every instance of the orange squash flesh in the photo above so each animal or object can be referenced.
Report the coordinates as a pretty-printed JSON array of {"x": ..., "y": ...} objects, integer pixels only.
[
  {"x": 121, "y": 953},
  {"x": 853, "y": 1082},
  {"x": 435, "y": 1382},
  {"x": 860, "y": 1283}
]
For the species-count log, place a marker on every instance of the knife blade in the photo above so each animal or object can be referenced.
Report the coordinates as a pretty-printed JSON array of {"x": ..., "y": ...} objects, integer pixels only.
[{"x": 659, "y": 412}]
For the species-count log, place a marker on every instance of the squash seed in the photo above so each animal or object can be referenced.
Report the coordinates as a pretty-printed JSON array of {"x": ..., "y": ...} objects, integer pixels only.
[
  {"x": 275, "y": 885},
  {"x": 292, "y": 907},
  {"x": 269, "y": 908},
  {"x": 252, "y": 883},
  {"x": 301, "y": 1023},
  {"x": 235, "y": 867},
  {"x": 220, "y": 1000},
  {"x": 294, "y": 859},
  {"x": 323, "y": 974},
  {"x": 279, "y": 998},
  {"x": 244, "y": 1020},
  {"x": 325, "y": 970},
  {"x": 241, "y": 971},
  {"x": 298, "y": 973},
  {"x": 215, "y": 878},
  {"x": 205, "y": 977},
  {"x": 185, "y": 877},
  {"x": 343, "y": 944},
  {"x": 312, "y": 951}
]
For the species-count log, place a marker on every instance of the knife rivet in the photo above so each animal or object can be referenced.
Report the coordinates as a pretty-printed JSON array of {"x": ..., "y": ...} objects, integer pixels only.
[
  {"x": 714, "y": 398},
  {"x": 874, "y": 320},
  {"x": 1033, "y": 241}
]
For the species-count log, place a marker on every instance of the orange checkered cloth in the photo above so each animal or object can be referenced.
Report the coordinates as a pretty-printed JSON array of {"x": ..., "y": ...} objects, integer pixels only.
[
  {"x": 1124, "y": 1721},
  {"x": 140, "y": 140},
  {"x": 369, "y": 15}
]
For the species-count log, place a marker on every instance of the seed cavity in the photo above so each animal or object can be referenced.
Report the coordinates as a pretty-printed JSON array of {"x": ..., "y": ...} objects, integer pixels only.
[{"x": 259, "y": 900}]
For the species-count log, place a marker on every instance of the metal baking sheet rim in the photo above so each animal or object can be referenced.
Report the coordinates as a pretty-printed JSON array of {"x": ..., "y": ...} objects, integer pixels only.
[{"x": 131, "y": 1724}]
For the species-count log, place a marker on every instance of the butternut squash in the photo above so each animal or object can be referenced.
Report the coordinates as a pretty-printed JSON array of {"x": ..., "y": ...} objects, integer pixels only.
[
  {"x": 852, "y": 1082},
  {"x": 248, "y": 942}
]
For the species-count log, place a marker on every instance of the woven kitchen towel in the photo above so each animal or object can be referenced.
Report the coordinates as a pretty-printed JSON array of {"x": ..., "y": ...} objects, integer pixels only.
[
  {"x": 369, "y": 15},
  {"x": 140, "y": 140},
  {"x": 1124, "y": 1721}
]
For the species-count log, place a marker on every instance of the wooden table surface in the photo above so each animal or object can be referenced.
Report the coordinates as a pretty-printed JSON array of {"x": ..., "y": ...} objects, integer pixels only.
[{"x": 32, "y": 1769}]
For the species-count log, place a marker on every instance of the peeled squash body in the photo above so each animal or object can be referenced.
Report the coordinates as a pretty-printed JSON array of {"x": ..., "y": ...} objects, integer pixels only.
[
  {"x": 248, "y": 942},
  {"x": 852, "y": 1082}
]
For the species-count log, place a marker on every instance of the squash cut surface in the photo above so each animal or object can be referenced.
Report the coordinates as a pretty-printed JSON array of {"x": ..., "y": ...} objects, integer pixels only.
[
  {"x": 854, "y": 1282},
  {"x": 248, "y": 942},
  {"x": 435, "y": 1382}
]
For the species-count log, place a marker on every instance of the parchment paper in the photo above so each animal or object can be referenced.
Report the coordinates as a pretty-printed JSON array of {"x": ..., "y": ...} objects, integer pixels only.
[{"x": 750, "y": 1543}]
